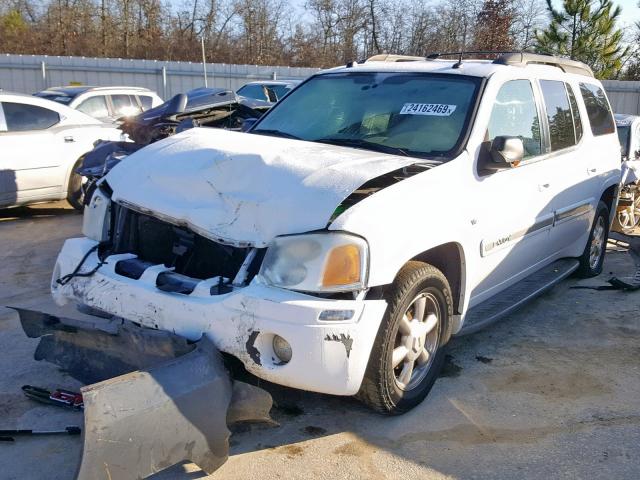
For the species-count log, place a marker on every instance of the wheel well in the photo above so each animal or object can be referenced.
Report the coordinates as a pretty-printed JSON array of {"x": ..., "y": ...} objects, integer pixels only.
[
  {"x": 449, "y": 259},
  {"x": 608, "y": 196}
]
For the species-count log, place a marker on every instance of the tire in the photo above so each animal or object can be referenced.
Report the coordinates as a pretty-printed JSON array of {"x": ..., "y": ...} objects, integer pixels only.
[
  {"x": 385, "y": 388},
  {"x": 593, "y": 256},
  {"x": 75, "y": 193}
]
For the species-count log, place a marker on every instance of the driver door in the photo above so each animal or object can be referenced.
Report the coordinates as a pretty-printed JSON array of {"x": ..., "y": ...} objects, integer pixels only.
[{"x": 515, "y": 215}]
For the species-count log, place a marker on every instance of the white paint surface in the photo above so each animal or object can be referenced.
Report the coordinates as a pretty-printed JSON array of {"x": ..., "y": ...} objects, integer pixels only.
[{"x": 243, "y": 188}]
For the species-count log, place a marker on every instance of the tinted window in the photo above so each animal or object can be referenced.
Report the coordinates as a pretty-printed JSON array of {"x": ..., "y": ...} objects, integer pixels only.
[
  {"x": 624, "y": 133},
  {"x": 253, "y": 91},
  {"x": 95, "y": 107},
  {"x": 124, "y": 105},
  {"x": 598, "y": 110},
  {"x": 146, "y": 101},
  {"x": 422, "y": 114},
  {"x": 577, "y": 121},
  {"x": 280, "y": 90},
  {"x": 515, "y": 115},
  {"x": 21, "y": 117},
  {"x": 561, "y": 129}
]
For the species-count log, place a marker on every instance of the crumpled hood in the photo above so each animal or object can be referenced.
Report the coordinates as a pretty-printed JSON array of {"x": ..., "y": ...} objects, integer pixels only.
[{"x": 244, "y": 189}]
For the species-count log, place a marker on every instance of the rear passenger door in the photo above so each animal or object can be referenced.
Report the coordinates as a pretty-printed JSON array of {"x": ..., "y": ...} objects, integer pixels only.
[
  {"x": 95, "y": 107},
  {"x": 572, "y": 196},
  {"x": 30, "y": 153}
]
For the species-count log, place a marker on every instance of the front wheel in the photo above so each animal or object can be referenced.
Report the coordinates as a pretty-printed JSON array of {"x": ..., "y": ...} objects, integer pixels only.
[
  {"x": 408, "y": 353},
  {"x": 593, "y": 256}
]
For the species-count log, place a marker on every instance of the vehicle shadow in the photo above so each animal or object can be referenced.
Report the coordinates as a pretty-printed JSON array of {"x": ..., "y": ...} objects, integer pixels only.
[{"x": 41, "y": 210}]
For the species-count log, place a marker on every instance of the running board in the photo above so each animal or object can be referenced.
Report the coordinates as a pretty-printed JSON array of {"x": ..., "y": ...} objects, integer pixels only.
[{"x": 517, "y": 295}]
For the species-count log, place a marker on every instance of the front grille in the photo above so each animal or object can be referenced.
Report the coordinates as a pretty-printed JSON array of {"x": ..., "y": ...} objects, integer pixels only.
[{"x": 192, "y": 256}]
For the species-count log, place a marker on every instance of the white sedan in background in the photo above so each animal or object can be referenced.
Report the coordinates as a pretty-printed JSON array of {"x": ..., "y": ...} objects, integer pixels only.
[{"x": 41, "y": 145}]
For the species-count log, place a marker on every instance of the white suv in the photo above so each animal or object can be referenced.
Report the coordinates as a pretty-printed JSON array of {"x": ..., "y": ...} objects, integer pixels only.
[
  {"x": 373, "y": 213},
  {"x": 107, "y": 104}
]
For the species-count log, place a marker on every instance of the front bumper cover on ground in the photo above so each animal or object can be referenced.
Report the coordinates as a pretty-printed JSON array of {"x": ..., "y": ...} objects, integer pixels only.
[{"x": 159, "y": 400}]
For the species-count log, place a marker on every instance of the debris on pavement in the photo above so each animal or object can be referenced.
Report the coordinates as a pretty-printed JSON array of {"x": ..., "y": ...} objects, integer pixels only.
[
  {"x": 159, "y": 399},
  {"x": 8, "y": 435},
  {"x": 59, "y": 397},
  {"x": 633, "y": 244}
]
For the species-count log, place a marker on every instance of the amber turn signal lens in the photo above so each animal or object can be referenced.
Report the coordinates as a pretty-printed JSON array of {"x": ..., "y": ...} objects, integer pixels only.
[{"x": 343, "y": 266}]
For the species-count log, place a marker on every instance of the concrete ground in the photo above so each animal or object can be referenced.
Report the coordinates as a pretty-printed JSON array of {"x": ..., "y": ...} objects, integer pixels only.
[{"x": 551, "y": 392}]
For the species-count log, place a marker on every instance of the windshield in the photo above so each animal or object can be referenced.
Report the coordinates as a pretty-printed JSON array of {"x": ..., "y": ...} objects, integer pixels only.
[
  {"x": 63, "y": 99},
  {"x": 413, "y": 114},
  {"x": 623, "y": 136}
]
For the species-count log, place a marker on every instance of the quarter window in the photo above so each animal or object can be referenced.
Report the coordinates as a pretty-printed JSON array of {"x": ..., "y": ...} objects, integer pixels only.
[
  {"x": 598, "y": 109},
  {"x": 146, "y": 101},
  {"x": 21, "y": 117},
  {"x": 515, "y": 115},
  {"x": 559, "y": 116},
  {"x": 95, "y": 107}
]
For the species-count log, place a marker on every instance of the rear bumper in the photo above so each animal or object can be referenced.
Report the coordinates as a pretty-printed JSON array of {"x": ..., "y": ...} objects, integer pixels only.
[{"x": 328, "y": 356}]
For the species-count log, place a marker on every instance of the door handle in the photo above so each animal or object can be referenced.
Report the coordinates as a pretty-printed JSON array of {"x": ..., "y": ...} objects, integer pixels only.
[
  {"x": 69, "y": 139},
  {"x": 592, "y": 170},
  {"x": 543, "y": 186}
]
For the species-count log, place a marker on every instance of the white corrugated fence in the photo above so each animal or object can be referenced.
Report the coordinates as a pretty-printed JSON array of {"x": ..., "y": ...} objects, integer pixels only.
[
  {"x": 624, "y": 96},
  {"x": 32, "y": 73}
]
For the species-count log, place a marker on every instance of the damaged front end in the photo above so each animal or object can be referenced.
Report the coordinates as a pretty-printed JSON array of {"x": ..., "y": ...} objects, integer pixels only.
[{"x": 154, "y": 399}]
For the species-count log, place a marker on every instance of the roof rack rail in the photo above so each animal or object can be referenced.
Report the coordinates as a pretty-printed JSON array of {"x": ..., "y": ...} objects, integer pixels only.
[
  {"x": 434, "y": 55},
  {"x": 389, "y": 57},
  {"x": 523, "y": 58},
  {"x": 527, "y": 58}
]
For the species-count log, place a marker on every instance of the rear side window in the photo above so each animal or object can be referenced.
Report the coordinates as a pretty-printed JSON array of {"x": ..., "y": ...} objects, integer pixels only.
[
  {"x": 515, "y": 115},
  {"x": 559, "y": 116},
  {"x": 146, "y": 101},
  {"x": 598, "y": 109},
  {"x": 95, "y": 107},
  {"x": 125, "y": 105},
  {"x": 21, "y": 117}
]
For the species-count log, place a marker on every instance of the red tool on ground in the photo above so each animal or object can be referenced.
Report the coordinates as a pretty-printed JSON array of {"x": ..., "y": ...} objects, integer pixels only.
[{"x": 60, "y": 397}]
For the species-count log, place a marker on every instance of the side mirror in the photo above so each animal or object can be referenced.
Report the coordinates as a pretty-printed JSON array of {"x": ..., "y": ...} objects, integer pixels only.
[
  {"x": 248, "y": 124},
  {"x": 176, "y": 105},
  {"x": 505, "y": 152}
]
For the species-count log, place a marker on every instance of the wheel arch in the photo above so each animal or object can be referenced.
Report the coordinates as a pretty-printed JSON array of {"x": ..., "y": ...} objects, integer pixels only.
[
  {"x": 449, "y": 258},
  {"x": 610, "y": 198}
]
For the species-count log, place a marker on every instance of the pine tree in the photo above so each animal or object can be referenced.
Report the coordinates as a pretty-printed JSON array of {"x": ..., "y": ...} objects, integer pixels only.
[{"x": 585, "y": 30}]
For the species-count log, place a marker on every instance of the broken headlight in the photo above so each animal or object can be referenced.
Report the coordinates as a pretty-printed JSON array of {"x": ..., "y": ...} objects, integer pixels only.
[
  {"x": 317, "y": 262},
  {"x": 97, "y": 217}
]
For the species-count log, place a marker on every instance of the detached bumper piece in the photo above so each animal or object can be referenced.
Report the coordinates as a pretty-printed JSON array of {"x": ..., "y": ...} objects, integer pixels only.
[{"x": 159, "y": 400}]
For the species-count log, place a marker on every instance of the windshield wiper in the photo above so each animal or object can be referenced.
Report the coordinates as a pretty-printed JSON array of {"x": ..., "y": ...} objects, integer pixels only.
[
  {"x": 275, "y": 133},
  {"x": 359, "y": 143}
]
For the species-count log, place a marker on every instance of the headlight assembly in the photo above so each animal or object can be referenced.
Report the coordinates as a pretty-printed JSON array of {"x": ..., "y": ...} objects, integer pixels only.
[
  {"x": 317, "y": 262},
  {"x": 96, "y": 220}
]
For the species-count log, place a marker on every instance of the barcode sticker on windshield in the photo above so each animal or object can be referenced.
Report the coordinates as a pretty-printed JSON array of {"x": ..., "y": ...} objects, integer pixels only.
[{"x": 436, "y": 109}]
